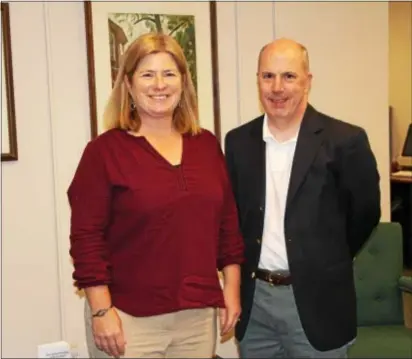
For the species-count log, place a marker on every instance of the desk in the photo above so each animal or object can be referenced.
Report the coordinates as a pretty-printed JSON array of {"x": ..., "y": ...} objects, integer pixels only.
[
  {"x": 401, "y": 200},
  {"x": 401, "y": 179}
]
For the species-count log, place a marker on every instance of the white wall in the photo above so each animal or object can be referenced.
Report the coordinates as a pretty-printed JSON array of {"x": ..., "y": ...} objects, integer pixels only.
[
  {"x": 30, "y": 281},
  {"x": 400, "y": 71},
  {"x": 348, "y": 50},
  {"x": 50, "y": 75},
  {"x": 39, "y": 303}
]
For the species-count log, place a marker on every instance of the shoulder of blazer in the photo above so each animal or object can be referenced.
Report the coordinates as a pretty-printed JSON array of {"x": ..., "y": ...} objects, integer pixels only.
[
  {"x": 252, "y": 127},
  {"x": 339, "y": 130}
]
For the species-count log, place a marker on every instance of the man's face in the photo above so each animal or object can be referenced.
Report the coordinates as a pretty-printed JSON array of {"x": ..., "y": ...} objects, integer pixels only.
[{"x": 283, "y": 82}]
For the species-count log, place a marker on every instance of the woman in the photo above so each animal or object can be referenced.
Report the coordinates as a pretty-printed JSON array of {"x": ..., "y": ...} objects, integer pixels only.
[{"x": 153, "y": 217}]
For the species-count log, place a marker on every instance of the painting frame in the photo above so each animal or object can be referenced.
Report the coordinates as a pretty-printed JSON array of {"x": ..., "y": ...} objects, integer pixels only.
[
  {"x": 11, "y": 154},
  {"x": 91, "y": 38}
]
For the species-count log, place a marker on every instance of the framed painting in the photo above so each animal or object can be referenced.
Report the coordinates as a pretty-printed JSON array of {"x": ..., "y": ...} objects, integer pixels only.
[
  {"x": 112, "y": 26},
  {"x": 8, "y": 116}
]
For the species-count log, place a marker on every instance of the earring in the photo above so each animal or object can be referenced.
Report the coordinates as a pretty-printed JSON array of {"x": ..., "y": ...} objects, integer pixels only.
[{"x": 132, "y": 106}]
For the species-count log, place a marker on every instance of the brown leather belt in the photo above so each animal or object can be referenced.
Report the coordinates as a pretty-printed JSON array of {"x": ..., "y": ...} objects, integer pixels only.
[{"x": 273, "y": 278}]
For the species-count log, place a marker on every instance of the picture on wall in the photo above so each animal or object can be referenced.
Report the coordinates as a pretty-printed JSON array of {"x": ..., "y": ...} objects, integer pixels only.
[
  {"x": 8, "y": 116},
  {"x": 111, "y": 27},
  {"x": 124, "y": 28}
]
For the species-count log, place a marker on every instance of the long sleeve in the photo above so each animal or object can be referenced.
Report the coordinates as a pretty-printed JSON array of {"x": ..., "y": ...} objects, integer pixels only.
[
  {"x": 231, "y": 246},
  {"x": 89, "y": 197},
  {"x": 360, "y": 182}
]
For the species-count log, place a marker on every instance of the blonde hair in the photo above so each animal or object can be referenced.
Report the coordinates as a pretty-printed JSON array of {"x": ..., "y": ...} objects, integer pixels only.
[{"x": 118, "y": 112}]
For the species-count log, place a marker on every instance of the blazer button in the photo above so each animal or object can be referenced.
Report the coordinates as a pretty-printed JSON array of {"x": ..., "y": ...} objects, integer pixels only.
[
  {"x": 253, "y": 275},
  {"x": 258, "y": 241}
]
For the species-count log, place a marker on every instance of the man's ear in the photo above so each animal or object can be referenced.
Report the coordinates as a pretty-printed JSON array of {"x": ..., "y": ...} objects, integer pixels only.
[{"x": 309, "y": 83}]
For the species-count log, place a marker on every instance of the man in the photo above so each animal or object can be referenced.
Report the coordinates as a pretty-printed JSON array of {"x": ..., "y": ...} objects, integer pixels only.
[{"x": 307, "y": 190}]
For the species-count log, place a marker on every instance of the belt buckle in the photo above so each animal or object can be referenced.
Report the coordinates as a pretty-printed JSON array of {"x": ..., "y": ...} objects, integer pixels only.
[{"x": 273, "y": 280}]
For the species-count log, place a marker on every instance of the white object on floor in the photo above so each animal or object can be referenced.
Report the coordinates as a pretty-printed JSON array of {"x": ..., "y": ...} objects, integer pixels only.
[{"x": 54, "y": 350}]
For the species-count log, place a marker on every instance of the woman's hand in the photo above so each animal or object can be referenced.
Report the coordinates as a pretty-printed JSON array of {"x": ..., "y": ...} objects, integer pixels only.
[
  {"x": 230, "y": 314},
  {"x": 108, "y": 333}
]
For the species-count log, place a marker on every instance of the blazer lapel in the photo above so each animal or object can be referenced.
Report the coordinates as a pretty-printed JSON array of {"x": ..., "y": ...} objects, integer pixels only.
[
  {"x": 309, "y": 141},
  {"x": 258, "y": 153}
]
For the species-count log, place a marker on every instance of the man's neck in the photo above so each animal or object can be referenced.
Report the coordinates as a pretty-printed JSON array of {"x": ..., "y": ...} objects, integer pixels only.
[{"x": 284, "y": 129}]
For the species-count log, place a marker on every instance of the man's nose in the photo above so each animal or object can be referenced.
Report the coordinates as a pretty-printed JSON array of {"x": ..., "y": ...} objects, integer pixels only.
[{"x": 277, "y": 84}]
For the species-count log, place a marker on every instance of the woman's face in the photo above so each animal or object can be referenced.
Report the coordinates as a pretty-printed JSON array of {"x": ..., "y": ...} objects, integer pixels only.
[{"x": 156, "y": 86}]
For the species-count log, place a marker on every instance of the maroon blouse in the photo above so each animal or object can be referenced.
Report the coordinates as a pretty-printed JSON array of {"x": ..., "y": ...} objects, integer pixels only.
[{"x": 155, "y": 233}]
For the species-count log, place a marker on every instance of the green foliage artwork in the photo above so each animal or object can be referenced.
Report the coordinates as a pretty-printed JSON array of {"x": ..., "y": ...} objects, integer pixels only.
[{"x": 125, "y": 27}]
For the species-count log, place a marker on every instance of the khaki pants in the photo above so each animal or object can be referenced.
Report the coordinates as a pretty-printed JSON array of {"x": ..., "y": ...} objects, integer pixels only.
[{"x": 188, "y": 333}]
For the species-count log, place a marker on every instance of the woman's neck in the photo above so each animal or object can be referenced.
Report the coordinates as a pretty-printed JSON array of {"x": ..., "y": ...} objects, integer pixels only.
[{"x": 157, "y": 127}]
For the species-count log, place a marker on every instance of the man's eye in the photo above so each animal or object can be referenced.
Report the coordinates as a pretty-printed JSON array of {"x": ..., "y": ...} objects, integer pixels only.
[{"x": 267, "y": 76}]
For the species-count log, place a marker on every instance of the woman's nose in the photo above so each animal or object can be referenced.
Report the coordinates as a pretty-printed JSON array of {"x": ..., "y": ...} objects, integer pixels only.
[{"x": 160, "y": 81}]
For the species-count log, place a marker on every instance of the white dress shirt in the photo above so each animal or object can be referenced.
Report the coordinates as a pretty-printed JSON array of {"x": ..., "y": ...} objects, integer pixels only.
[{"x": 279, "y": 158}]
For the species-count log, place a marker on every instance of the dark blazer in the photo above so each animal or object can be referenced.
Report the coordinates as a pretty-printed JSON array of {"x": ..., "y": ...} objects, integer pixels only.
[{"x": 332, "y": 207}]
